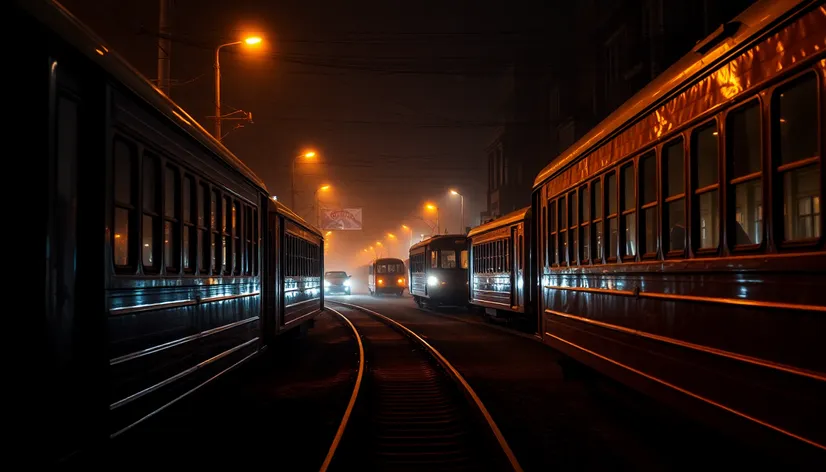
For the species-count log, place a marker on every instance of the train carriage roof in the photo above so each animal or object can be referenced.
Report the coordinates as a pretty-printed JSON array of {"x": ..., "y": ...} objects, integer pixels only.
[
  {"x": 58, "y": 19},
  {"x": 727, "y": 41},
  {"x": 436, "y": 239},
  {"x": 282, "y": 209},
  {"x": 510, "y": 218}
]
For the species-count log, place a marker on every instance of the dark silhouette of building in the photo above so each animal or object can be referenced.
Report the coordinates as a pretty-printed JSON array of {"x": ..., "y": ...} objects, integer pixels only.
[{"x": 598, "y": 53}]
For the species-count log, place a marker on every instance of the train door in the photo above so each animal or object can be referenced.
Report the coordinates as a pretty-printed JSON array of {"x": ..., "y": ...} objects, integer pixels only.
[{"x": 371, "y": 281}]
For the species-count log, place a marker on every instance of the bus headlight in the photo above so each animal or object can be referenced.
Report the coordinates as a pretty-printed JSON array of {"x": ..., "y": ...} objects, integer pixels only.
[
  {"x": 346, "y": 283},
  {"x": 432, "y": 281},
  {"x": 326, "y": 283}
]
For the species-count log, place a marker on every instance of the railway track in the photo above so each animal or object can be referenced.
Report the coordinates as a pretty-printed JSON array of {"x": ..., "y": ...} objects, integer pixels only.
[{"x": 410, "y": 408}]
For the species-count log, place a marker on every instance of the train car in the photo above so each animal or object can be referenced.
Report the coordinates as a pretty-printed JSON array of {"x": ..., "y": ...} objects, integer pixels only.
[
  {"x": 681, "y": 241},
  {"x": 166, "y": 263},
  {"x": 438, "y": 271},
  {"x": 502, "y": 277},
  {"x": 387, "y": 275},
  {"x": 297, "y": 266}
]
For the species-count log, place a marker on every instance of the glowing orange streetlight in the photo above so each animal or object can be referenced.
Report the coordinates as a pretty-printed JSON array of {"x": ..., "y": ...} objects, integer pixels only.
[
  {"x": 391, "y": 235},
  {"x": 454, "y": 192},
  {"x": 305, "y": 155},
  {"x": 410, "y": 233},
  {"x": 251, "y": 41},
  {"x": 317, "y": 203},
  {"x": 432, "y": 207}
]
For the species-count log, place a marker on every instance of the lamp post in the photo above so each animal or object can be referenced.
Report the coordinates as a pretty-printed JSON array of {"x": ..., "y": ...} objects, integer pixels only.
[
  {"x": 250, "y": 41},
  {"x": 410, "y": 233},
  {"x": 432, "y": 207},
  {"x": 462, "y": 197},
  {"x": 306, "y": 155},
  {"x": 317, "y": 202}
]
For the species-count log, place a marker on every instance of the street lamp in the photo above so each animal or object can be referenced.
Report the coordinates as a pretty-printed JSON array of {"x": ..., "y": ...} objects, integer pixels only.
[
  {"x": 252, "y": 40},
  {"x": 410, "y": 233},
  {"x": 432, "y": 207},
  {"x": 454, "y": 192},
  {"x": 323, "y": 188},
  {"x": 306, "y": 155}
]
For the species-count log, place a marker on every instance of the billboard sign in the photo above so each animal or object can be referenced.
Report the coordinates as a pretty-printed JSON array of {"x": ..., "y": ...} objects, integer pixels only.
[{"x": 343, "y": 219}]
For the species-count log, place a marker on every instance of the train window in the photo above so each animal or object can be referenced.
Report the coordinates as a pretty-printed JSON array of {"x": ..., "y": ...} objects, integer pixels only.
[
  {"x": 611, "y": 191},
  {"x": 190, "y": 201},
  {"x": 214, "y": 240},
  {"x": 464, "y": 259},
  {"x": 796, "y": 126},
  {"x": 236, "y": 237},
  {"x": 552, "y": 254},
  {"x": 704, "y": 158},
  {"x": 673, "y": 163},
  {"x": 434, "y": 261},
  {"x": 171, "y": 224},
  {"x": 124, "y": 217},
  {"x": 255, "y": 241},
  {"x": 648, "y": 203},
  {"x": 573, "y": 213},
  {"x": 584, "y": 222},
  {"x": 226, "y": 237},
  {"x": 448, "y": 257},
  {"x": 596, "y": 199},
  {"x": 563, "y": 230},
  {"x": 629, "y": 222},
  {"x": 203, "y": 230},
  {"x": 247, "y": 239},
  {"x": 151, "y": 212},
  {"x": 744, "y": 158}
]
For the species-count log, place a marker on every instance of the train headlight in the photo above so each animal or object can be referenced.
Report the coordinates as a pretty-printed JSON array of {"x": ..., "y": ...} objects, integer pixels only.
[
  {"x": 326, "y": 283},
  {"x": 432, "y": 281},
  {"x": 381, "y": 281},
  {"x": 346, "y": 283},
  {"x": 400, "y": 281}
]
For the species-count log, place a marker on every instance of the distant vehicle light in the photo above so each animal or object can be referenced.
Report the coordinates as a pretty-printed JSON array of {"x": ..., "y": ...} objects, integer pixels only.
[
  {"x": 432, "y": 281},
  {"x": 327, "y": 283},
  {"x": 346, "y": 283},
  {"x": 381, "y": 281}
]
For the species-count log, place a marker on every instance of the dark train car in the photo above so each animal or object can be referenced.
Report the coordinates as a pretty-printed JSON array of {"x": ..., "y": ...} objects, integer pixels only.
[
  {"x": 387, "y": 275},
  {"x": 438, "y": 270},
  {"x": 154, "y": 260},
  {"x": 296, "y": 266},
  {"x": 681, "y": 241},
  {"x": 502, "y": 276}
]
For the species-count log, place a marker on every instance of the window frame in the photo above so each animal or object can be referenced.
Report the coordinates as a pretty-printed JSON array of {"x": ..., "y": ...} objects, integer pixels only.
[
  {"x": 731, "y": 182},
  {"x": 696, "y": 192},
  {"x": 778, "y": 170}
]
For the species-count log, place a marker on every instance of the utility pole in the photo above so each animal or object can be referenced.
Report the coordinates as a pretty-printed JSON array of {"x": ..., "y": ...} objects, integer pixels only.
[{"x": 164, "y": 47}]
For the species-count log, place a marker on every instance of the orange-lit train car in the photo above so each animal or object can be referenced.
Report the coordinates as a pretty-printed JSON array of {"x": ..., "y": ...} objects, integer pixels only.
[
  {"x": 681, "y": 241},
  {"x": 501, "y": 267},
  {"x": 166, "y": 263}
]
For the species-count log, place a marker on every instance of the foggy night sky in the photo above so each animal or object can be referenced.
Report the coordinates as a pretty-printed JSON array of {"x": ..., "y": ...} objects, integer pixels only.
[{"x": 398, "y": 99}]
